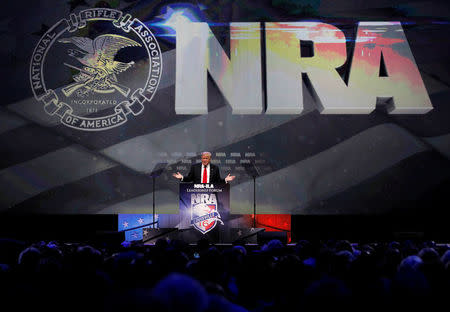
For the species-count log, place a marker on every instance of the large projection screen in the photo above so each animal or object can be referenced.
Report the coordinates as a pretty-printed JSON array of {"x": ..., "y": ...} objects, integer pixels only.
[{"x": 287, "y": 91}]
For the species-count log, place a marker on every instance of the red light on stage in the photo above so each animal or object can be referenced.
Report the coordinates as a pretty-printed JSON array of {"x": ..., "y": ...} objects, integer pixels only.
[{"x": 275, "y": 223}]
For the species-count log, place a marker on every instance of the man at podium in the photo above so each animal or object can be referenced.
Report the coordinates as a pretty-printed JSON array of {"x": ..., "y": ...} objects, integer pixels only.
[{"x": 204, "y": 172}]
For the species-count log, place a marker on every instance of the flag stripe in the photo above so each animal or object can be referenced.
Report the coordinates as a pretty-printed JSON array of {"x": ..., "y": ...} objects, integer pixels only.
[
  {"x": 89, "y": 194},
  {"x": 28, "y": 142},
  {"x": 441, "y": 144},
  {"x": 9, "y": 121},
  {"x": 434, "y": 123},
  {"x": 387, "y": 193},
  {"x": 27, "y": 179},
  {"x": 342, "y": 166}
]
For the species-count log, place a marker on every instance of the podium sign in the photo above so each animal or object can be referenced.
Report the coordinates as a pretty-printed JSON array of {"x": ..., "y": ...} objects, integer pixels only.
[
  {"x": 204, "y": 206},
  {"x": 204, "y": 213}
]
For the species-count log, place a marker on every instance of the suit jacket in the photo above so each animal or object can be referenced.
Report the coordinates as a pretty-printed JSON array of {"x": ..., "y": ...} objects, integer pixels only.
[{"x": 195, "y": 174}]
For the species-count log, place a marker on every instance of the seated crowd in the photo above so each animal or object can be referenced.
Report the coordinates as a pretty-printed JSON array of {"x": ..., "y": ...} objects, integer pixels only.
[{"x": 175, "y": 276}]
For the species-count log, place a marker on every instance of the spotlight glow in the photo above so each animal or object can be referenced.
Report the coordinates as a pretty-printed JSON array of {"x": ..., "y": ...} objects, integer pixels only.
[{"x": 171, "y": 15}]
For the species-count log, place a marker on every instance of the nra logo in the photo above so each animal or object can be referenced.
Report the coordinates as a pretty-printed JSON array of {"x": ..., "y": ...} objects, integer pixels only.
[
  {"x": 381, "y": 69},
  {"x": 95, "y": 99}
]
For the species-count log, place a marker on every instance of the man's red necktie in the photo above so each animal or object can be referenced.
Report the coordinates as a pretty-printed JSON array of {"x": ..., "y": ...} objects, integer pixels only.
[{"x": 205, "y": 175}]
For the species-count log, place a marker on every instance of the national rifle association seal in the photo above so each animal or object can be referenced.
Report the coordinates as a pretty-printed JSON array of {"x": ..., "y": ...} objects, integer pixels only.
[{"x": 100, "y": 67}]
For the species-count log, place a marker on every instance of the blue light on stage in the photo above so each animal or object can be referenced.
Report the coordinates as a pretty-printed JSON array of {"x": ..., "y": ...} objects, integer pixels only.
[
  {"x": 130, "y": 221},
  {"x": 165, "y": 23}
]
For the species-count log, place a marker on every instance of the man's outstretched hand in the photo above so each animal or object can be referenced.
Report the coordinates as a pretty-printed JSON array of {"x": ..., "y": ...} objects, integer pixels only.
[
  {"x": 229, "y": 178},
  {"x": 178, "y": 175}
]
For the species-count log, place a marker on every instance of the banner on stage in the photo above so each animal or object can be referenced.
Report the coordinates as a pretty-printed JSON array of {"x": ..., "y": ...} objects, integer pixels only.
[{"x": 204, "y": 206}]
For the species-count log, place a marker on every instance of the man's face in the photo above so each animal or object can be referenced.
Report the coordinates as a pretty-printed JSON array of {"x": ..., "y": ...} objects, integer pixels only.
[{"x": 206, "y": 159}]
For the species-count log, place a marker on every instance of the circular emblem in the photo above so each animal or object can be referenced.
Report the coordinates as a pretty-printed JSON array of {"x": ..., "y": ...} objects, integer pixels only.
[{"x": 100, "y": 67}]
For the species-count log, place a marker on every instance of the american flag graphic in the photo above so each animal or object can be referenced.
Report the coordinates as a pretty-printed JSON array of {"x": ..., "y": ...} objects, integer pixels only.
[{"x": 308, "y": 164}]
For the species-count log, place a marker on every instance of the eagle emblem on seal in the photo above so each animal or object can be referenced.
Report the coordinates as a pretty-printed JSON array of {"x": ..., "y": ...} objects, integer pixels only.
[{"x": 99, "y": 70}]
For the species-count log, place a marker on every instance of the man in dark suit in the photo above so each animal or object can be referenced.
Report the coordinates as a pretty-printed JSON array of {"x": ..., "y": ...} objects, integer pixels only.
[{"x": 204, "y": 172}]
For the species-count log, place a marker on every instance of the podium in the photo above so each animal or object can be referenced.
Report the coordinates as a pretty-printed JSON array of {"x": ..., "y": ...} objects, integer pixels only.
[
  {"x": 205, "y": 213},
  {"x": 204, "y": 206}
]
